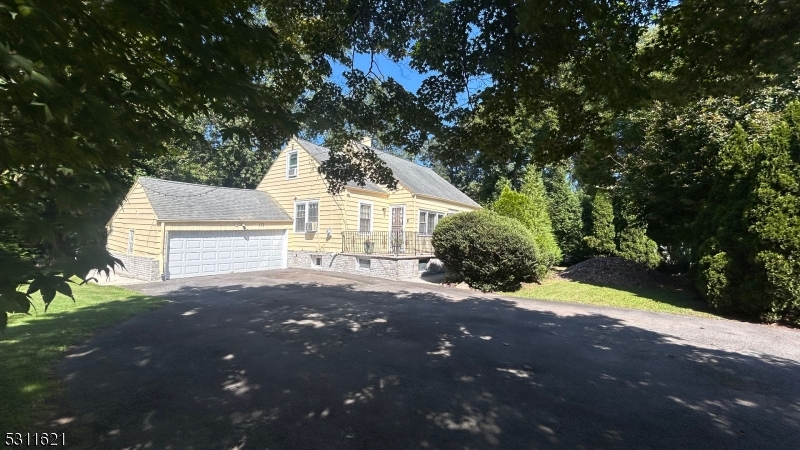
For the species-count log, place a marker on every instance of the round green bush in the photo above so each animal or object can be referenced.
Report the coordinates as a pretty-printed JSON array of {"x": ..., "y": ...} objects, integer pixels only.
[{"x": 486, "y": 250}]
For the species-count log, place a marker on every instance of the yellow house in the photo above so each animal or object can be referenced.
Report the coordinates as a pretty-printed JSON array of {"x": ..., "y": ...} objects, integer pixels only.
[{"x": 166, "y": 229}]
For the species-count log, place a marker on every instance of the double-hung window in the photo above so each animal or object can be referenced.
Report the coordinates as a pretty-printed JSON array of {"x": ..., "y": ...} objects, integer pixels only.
[
  {"x": 364, "y": 218},
  {"x": 306, "y": 216},
  {"x": 291, "y": 165},
  {"x": 428, "y": 221}
]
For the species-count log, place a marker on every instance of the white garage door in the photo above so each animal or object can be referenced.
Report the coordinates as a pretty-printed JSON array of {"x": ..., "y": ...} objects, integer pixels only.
[{"x": 196, "y": 253}]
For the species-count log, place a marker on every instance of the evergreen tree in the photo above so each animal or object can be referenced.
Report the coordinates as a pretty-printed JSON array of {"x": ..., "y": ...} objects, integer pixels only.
[
  {"x": 564, "y": 206},
  {"x": 601, "y": 241},
  {"x": 541, "y": 223},
  {"x": 530, "y": 208},
  {"x": 634, "y": 243},
  {"x": 749, "y": 261}
]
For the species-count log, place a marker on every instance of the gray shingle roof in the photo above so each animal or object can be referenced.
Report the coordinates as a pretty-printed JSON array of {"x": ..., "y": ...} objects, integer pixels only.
[
  {"x": 321, "y": 154},
  {"x": 418, "y": 179},
  {"x": 173, "y": 200}
]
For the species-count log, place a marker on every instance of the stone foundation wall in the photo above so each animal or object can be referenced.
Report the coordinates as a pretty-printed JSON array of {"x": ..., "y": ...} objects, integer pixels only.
[
  {"x": 379, "y": 266},
  {"x": 139, "y": 267}
]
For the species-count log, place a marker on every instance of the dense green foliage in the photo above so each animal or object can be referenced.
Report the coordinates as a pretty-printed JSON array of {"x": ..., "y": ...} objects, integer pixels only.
[
  {"x": 715, "y": 182},
  {"x": 210, "y": 159},
  {"x": 529, "y": 206},
  {"x": 94, "y": 92},
  {"x": 633, "y": 243},
  {"x": 641, "y": 93},
  {"x": 601, "y": 241},
  {"x": 486, "y": 250},
  {"x": 749, "y": 260},
  {"x": 564, "y": 206}
]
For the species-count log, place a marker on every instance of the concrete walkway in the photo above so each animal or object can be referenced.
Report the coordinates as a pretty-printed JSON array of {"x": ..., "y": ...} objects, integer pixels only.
[{"x": 295, "y": 359}]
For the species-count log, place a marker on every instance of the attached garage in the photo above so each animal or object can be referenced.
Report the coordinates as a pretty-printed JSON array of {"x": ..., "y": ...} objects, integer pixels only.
[
  {"x": 167, "y": 229},
  {"x": 195, "y": 253}
]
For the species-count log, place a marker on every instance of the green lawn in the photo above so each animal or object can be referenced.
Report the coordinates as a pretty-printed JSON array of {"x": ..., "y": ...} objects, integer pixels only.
[
  {"x": 646, "y": 299},
  {"x": 32, "y": 345}
]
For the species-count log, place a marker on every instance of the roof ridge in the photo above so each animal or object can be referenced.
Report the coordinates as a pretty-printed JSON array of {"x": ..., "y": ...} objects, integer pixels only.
[{"x": 197, "y": 184}]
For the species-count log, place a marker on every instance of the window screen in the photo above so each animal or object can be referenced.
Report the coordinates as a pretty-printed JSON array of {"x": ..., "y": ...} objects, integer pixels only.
[
  {"x": 365, "y": 218},
  {"x": 313, "y": 212},
  {"x": 300, "y": 217},
  {"x": 291, "y": 165}
]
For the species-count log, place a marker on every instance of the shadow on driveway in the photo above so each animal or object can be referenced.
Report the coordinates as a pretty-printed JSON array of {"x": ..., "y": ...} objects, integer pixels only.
[{"x": 344, "y": 366}]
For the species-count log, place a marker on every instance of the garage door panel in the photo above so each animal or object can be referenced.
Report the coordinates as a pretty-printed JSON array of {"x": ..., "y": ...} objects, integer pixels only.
[{"x": 194, "y": 253}]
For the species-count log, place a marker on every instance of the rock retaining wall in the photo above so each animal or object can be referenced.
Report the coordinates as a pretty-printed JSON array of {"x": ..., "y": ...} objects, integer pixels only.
[{"x": 139, "y": 267}]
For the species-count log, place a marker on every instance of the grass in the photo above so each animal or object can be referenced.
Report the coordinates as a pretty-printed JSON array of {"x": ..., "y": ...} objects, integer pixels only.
[
  {"x": 32, "y": 345},
  {"x": 657, "y": 299}
]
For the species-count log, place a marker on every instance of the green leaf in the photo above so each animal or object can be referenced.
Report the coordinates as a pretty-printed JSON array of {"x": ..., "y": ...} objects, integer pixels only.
[
  {"x": 34, "y": 286},
  {"x": 65, "y": 289},
  {"x": 48, "y": 294},
  {"x": 15, "y": 302}
]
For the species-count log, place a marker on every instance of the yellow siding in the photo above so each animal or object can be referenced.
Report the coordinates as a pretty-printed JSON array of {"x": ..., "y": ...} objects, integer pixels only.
[
  {"x": 340, "y": 212},
  {"x": 136, "y": 214},
  {"x": 309, "y": 185},
  {"x": 415, "y": 203},
  {"x": 380, "y": 209}
]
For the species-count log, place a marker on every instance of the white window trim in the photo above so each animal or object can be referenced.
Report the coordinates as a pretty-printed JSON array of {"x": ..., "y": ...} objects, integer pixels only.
[
  {"x": 297, "y": 167},
  {"x": 294, "y": 216},
  {"x": 131, "y": 240},
  {"x": 427, "y": 212},
  {"x": 371, "y": 216}
]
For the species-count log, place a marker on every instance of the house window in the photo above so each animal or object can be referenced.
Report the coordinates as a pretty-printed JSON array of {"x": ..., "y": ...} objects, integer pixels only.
[
  {"x": 428, "y": 221},
  {"x": 318, "y": 261},
  {"x": 306, "y": 216},
  {"x": 363, "y": 263},
  {"x": 130, "y": 242},
  {"x": 291, "y": 165},
  {"x": 364, "y": 218}
]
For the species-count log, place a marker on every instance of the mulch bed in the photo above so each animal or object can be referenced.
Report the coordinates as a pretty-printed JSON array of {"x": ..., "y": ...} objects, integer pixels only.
[{"x": 615, "y": 271}]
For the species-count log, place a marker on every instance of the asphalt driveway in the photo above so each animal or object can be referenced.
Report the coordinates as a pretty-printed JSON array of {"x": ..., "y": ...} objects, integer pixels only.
[{"x": 296, "y": 359}]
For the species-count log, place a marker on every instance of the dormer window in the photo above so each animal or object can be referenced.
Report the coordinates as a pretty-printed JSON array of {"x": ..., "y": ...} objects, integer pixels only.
[{"x": 291, "y": 165}]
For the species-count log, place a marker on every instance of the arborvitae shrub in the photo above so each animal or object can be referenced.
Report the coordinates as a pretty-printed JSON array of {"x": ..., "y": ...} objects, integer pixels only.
[
  {"x": 750, "y": 262},
  {"x": 601, "y": 240},
  {"x": 529, "y": 206},
  {"x": 564, "y": 206}
]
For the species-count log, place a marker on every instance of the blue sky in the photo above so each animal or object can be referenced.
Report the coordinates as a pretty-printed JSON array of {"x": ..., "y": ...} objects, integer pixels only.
[{"x": 401, "y": 72}]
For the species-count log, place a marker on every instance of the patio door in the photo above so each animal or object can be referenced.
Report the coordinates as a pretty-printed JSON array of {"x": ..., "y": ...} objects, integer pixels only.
[{"x": 397, "y": 222}]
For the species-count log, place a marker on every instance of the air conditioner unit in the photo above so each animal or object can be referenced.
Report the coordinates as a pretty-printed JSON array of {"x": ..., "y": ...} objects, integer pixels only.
[
  {"x": 292, "y": 172},
  {"x": 311, "y": 226}
]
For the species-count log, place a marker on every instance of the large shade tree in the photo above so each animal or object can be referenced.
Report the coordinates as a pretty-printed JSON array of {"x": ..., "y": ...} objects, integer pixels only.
[{"x": 92, "y": 89}]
